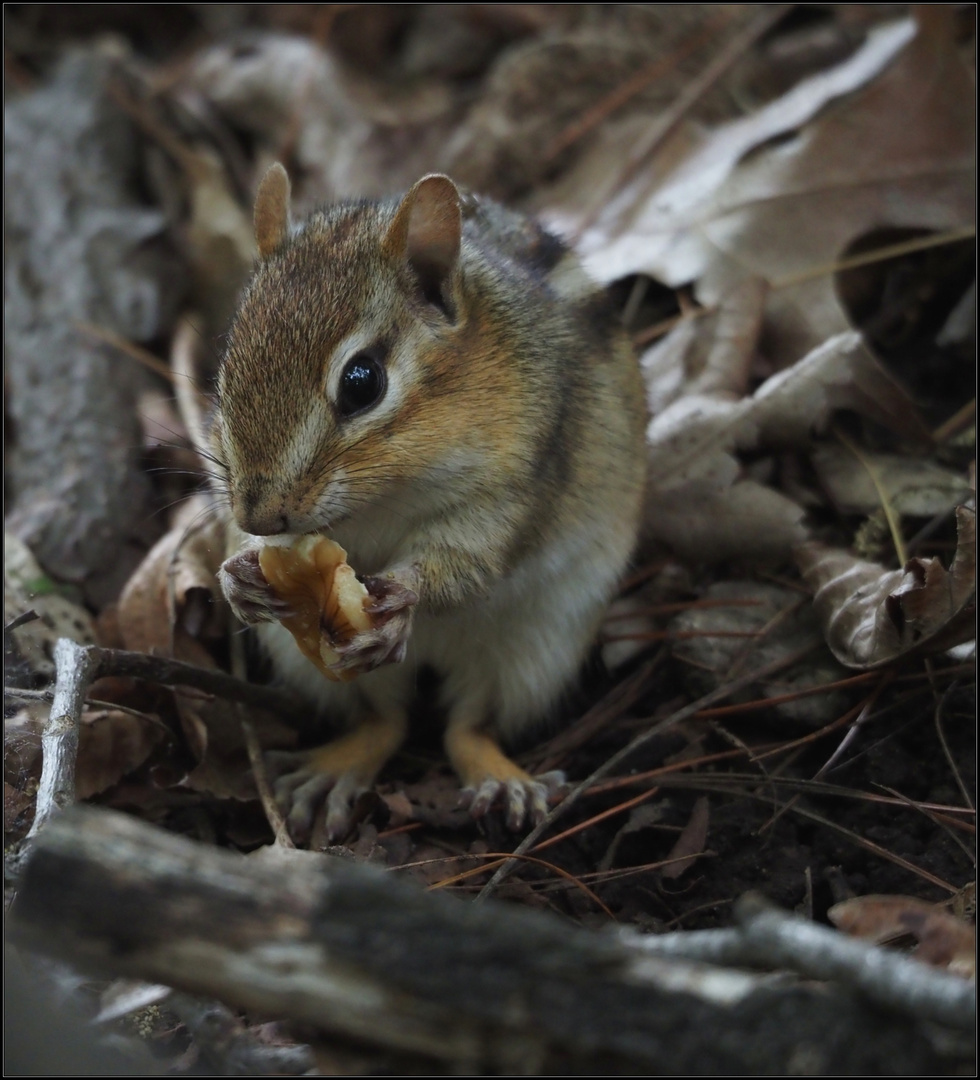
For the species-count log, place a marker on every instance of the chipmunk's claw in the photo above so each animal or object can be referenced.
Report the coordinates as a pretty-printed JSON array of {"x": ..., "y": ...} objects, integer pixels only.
[
  {"x": 251, "y": 597},
  {"x": 371, "y": 649},
  {"x": 303, "y": 789},
  {"x": 525, "y": 803},
  {"x": 389, "y": 596},
  {"x": 387, "y": 641}
]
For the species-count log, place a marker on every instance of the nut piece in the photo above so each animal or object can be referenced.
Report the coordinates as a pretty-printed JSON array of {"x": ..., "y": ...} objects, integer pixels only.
[{"x": 327, "y": 600}]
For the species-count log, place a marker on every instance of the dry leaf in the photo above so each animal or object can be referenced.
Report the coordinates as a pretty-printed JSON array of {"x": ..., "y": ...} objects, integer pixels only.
[
  {"x": 871, "y": 615},
  {"x": 944, "y": 941},
  {"x": 22, "y": 743},
  {"x": 709, "y": 353},
  {"x": 652, "y": 224},
  {"x": 915, "y": 487},
  {"x": 18, "y": 811},
  {"x": 171, "y": 602},
  {"x": 111, "y": 744},
  {"x": 221, "y": 241},
  {"x": 399, "y": 808},
  {"x": 175, "y": 588},
  {"x": 505, "y": 147},
  {"x": 27, "y": 587},
  {"x": 697, "y": 499},
  {"x": 435, "y": 799},
  {"x": 785, "y": 191},
  {"x": 744, "y": 625},
  {"x": 430, "y": 865},
  {"x": 343, "y": 144},
  {"x": 690, "y": 844}
]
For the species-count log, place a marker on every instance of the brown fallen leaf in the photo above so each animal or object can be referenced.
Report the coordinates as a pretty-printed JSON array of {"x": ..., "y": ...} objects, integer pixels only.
[
  {"x": 399, "y": 808},
  {"x": 18, "y": 810},
  {"x": 220, "y": 236},
  {"x": 698, "y": 499},
  {"x": 870, "y": 615},
  {"x": 690, "y": 844},
  {"x": 172, "y": 606},
  {"x": 175, "y": 586},
  {"x": 707, "y": 354},
  {"x": 342, "y": 144},
  {"x": 112, "y": 744},
  {"x": 944, "y": 941},
  {"x": 784, "y": 192}
]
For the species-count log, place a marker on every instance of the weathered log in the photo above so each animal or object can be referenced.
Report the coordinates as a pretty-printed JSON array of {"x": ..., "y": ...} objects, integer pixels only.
[{"x": 357, "y": 953}]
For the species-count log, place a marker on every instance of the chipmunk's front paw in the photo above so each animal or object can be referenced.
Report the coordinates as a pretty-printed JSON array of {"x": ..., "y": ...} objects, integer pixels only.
[
  {"x": 524, "y": 801},
  {"x": 392, "y": 609},
  {"x": 251, "y": 597}
]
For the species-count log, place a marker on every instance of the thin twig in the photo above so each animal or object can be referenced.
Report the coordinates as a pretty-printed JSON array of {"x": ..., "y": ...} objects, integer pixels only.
[
  {"x": 22, "y": 619},
  {"x": 726, "y": 947},
  {"x": 956, "y": 422},
  {"x": 620, "y": 697},
  {"x": 266, "y": 795},
  {"x": 946, "y": 826},
  {"x": 866, "y": 713},
  {"x": 127, "y": 348},
  {"x": 938, "y": 720},
  {"x": 882, "y": 254},
  {"x": 724, "y": 783},
  {"x": 629, "y": 89},
  {"x": 93, "y": 703},
  {"x": 769, "y": 938},
  {"x": 884, "y": 498},
  {"x": 167, "y": 672}
]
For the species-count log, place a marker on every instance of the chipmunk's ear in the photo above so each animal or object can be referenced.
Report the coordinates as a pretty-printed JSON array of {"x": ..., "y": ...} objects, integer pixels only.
[
  {"x": 272, "y": 210},
  {"x": 426, "y": 234}
]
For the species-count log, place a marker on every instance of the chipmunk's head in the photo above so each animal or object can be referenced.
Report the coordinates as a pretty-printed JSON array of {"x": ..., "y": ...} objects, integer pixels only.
[{"x": 340, "y": 376}]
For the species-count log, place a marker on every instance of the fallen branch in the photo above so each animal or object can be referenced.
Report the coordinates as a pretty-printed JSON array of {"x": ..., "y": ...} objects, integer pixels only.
[
  {"x": 766, "y": 937},
  {"x": 75, "y": 666},
  {"x": 361, "y": 955}
]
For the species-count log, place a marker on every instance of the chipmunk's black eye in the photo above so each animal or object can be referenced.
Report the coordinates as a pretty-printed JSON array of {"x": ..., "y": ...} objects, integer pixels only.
[{"x": 362, "y": 384}]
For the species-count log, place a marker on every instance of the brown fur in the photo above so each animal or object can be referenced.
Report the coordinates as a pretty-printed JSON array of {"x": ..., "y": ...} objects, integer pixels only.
[{"x": 508, "y": 446}]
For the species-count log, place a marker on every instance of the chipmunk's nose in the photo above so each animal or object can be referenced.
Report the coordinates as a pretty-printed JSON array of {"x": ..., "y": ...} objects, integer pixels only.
[{"x": 259, "y": 510}]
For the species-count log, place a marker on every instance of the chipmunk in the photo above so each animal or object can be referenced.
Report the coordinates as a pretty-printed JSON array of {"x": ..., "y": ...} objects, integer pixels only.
[{"x": 434, "y": 383}]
